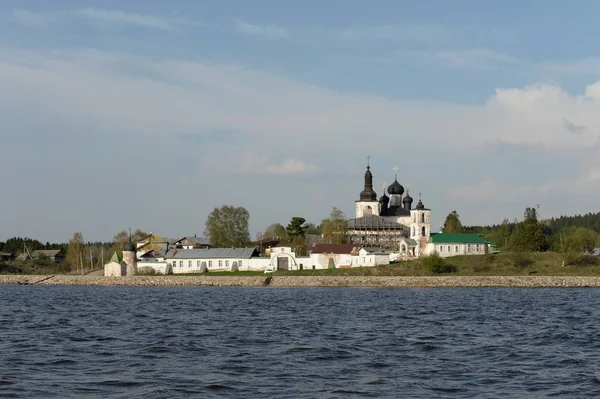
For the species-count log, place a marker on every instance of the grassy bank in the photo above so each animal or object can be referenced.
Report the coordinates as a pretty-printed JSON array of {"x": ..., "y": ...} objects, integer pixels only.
[{"x": 502, "y": 264}]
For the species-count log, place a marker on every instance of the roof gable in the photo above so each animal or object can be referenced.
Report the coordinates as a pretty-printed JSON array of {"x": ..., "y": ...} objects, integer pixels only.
[
  {"x": 116, "y": 258},
  {"x": 212, "y": 253},
  {"x": 347, "y": 249}
]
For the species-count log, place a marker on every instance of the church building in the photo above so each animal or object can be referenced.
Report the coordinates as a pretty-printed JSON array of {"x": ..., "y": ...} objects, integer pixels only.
[{"x": 390, "y": 222}]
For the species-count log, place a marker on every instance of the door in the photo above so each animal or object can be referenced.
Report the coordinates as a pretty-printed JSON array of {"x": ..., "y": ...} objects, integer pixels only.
[{"x": 283, "y": 263}]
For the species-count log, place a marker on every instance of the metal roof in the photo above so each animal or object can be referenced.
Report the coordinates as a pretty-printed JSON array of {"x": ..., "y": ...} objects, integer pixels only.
[
  {"x": 457, "y": 238},
  {"x": 373, "y": 222},
  {"x": 212, "y": 253}
]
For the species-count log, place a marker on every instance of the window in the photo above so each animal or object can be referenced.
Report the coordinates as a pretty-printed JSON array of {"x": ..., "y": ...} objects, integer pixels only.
[
  {"x": 423, "y": 231},
  {"x": 210, "y": 263},
  {"x": 422, "y": 218},
  {"x": 220, "y": 263},
  {"x": 448, "y": 248},
  {"x": 189, "y": 263},
  {"x": 414, "y": 218},
  {"x": 226, "y": 263},
  {"x": 468, "y": 247},
  {"x": 413, "y": 231},
  {"x": 180, "y": 263},
  {"x": 239, "y": 263},
  {"x": 456, "y": 248},
  {"x": 174, "y": 263},
  {"x": 198, "y": 263},
  {"x": 441, "y": 248}
]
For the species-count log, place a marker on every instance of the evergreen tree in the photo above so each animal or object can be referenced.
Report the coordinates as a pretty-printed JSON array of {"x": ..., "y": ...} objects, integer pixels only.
[
  {"x": 453, "y": 224},
  {"x": 296, "y": 228}
]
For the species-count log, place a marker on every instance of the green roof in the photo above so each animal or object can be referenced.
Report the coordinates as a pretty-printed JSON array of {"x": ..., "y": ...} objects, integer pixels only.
[
  {"x": 116, "y": 258},
  {"x": 456, "y": 238}
]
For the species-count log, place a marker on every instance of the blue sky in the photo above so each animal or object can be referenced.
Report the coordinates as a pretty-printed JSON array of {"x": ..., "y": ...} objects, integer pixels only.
[{"x": 147, "y": 114}]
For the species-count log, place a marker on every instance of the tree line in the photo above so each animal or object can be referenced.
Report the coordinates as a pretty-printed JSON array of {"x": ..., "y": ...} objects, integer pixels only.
[{"x": 573, "y": 236}]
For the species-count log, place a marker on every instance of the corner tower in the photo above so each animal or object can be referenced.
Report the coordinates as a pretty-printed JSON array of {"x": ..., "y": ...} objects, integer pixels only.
[
  {"x": 367, "y": 204},
  {"x": 130, "y": 259}
]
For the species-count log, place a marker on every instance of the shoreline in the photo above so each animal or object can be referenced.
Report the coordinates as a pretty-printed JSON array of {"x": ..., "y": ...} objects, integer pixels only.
[{"x": 310, "y": 281}]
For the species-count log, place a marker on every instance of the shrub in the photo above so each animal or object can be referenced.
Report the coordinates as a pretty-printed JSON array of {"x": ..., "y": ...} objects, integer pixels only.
[
  {"x": 585, "y": 260},
  {"x": 146, "y": 271},
  {"x": 521, "y": 260},
  {"x": 436, "y": 264}
]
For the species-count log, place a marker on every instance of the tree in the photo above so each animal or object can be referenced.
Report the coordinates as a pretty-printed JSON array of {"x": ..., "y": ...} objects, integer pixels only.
[
  {"x": 227, "y": 226},
  {"x": 122, "y": 237},
  {"x": 296, "y": 228},
  {"x": 75, "y": 250},
  {"x": 453, "y": 224},
  {"x": 530, "y": 237},
  {"x": 335, "y": 228},
  {"x": 275, "y": 230}
]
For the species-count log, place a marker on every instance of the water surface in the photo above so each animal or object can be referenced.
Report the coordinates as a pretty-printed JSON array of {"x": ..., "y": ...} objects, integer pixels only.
[{"x": 124, "y": 342}]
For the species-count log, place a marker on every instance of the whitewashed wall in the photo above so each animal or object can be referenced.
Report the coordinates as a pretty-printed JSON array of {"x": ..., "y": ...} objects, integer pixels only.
[{"x": 452, "y": 249}]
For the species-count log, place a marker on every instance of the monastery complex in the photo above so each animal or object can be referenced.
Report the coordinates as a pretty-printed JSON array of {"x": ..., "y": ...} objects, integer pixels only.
[{"x": 384, "y": 230}]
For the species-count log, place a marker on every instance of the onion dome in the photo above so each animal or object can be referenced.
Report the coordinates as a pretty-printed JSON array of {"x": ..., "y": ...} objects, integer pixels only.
[
  {"x": 368, "y": 194},
  {"x": 129, "y": 247},
  {"x": 420, "y": 205},
  {"x": 395, "y": 188},
  {"x": 384, "y": 199},
  {"x": 407, "y": 199}
]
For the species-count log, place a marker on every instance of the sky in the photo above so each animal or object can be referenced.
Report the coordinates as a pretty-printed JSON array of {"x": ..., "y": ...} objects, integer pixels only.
[{"x": 149, "y": 114}]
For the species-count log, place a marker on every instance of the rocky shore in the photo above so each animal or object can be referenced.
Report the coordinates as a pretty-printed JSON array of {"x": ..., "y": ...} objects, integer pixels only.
[{"x": 309, "y": 281}]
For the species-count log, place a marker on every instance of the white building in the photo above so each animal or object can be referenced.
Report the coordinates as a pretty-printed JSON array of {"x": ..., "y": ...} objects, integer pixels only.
[{"x": 452, "y": 244}]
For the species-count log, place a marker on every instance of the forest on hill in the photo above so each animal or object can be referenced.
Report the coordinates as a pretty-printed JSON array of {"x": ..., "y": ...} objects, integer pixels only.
[{"x": 571, "y": 235}]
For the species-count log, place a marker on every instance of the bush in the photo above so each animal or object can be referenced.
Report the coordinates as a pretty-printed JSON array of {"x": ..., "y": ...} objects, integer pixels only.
[
  {"x": 521, "y": 260},
  {"x": 146, "y": 271},
  {"x": 436, "y": 264},
  {"x": 585, "y": 260}
]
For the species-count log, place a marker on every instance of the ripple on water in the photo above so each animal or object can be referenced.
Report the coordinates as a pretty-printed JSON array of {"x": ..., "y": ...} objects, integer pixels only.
[{"x": 157, "y": 342}]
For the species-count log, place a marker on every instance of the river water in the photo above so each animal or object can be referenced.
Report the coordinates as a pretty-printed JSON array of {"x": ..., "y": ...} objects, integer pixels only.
[{"x": 157, "y": 342}]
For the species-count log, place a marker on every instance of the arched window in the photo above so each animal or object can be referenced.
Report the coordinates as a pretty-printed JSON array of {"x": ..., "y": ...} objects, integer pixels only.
[
  {"x": 368, "y": 210},
  {"x": 423, "y": 231},
  {"x": 413, "y": 231},
  {"x": 423, "y": 218},
  {"x": 403, "y": 248}
]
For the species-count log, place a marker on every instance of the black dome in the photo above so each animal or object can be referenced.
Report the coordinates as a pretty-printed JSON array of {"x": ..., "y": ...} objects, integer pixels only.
[
  {"x": 384, "y": 199},
  {"x": 420, "y": 206},
  {"x": 368, "y": 194},
  {"x": 395, "y": 188},
  {"x": 129, "y": 247},
  {"x": 408, "y": 199}
]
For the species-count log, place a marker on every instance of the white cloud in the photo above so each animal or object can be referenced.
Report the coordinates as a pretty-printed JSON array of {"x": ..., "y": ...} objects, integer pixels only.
[
  {"x": 94, "y": 16},
  {"x": 125, "y": 18},
  {"x": 248, "y": 28},
  {"x": 308, "y": 138}
]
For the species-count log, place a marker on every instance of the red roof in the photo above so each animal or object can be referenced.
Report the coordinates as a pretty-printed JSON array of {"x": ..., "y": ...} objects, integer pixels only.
[{"x": 350, "y": 249}]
